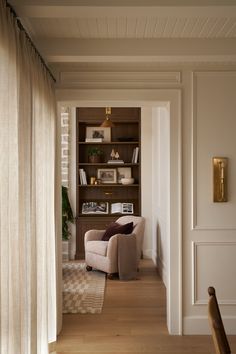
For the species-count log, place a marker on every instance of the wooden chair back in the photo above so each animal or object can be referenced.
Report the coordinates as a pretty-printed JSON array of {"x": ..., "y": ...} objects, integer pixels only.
[{"x": 218, "y": 332}]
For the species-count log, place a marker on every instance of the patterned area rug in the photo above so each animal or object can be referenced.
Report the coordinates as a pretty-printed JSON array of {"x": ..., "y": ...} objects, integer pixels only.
[{"x": 83, "y": 292}]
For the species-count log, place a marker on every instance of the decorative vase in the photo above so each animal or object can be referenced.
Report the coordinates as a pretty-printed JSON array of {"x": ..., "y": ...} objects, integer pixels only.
[{"x": 94, "y": 158}]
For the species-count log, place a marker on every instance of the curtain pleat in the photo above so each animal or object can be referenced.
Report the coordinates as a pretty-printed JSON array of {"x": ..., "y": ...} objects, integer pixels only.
[{"x": 27, "y": 195}]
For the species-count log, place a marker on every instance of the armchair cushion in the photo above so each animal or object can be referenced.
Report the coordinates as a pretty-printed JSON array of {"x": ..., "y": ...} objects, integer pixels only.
[
  {"x": 97, "y": 247},
  {"x": 115, "y": 228}
]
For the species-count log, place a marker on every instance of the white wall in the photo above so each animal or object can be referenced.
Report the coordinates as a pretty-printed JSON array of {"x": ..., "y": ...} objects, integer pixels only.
[{"x": 155, "y": 129}]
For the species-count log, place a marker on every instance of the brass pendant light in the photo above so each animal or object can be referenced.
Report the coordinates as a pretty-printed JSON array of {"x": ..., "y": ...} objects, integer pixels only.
[{"x": 107, "y": 123}]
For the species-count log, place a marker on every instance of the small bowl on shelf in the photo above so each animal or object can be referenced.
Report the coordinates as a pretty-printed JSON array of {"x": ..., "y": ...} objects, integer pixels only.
[{"x": 127, "y": 180}]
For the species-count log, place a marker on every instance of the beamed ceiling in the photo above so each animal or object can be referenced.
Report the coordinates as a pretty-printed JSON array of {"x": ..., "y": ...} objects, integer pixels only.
[{"x": 84, "y": 40}]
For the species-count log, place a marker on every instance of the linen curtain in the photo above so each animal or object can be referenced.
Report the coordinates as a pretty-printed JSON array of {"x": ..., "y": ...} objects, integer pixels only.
[{"x": 27, "y": 195}]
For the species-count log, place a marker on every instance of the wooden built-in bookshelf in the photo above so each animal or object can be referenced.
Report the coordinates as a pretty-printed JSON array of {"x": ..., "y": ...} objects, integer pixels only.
[{"x": 125, "y": 136}]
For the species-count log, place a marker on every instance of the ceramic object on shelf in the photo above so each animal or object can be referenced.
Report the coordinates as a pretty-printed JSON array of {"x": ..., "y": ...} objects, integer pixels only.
[{"x": 127, "y": 180}]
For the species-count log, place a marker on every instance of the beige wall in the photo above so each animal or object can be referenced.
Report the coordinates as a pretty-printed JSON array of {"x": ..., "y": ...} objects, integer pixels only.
[{"x": 208, "y": 233}]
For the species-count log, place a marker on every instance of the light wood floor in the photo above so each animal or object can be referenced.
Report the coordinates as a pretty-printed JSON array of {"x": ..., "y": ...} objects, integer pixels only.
[{"x": 133, "y": 320}]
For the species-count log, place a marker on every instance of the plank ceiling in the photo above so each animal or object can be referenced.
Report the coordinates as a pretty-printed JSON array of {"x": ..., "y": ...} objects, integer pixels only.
[{"x": 111, "y": 34}]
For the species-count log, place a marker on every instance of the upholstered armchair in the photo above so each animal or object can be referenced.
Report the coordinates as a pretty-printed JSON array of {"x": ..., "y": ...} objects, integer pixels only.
[{"x": 104, "y": 255}]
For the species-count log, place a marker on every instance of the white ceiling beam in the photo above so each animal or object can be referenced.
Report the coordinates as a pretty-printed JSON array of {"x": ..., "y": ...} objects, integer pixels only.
[
  {"x": 66, "y": 11},
  {"x": 92, "y": 50}
]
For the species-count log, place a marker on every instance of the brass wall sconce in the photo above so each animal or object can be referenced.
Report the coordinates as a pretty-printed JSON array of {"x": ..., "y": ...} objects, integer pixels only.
[{"x": 220, "y": 166}]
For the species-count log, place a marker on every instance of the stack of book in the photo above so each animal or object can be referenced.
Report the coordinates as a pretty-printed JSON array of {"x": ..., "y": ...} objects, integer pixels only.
[
  {"x": 82, "y": 176},
  {"x": 135, "y": 155},
  {"x": 115, "y": 161},
  {"x": 94, "y": 140}
]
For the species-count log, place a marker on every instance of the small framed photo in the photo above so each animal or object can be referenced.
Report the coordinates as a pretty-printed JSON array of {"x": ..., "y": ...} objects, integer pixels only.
[
  {"x": 107, "y": 175},
  {"x": 95, "y": 208},
  {"x": 98, "y": 133},
  {"x": 123, "y": 172}
]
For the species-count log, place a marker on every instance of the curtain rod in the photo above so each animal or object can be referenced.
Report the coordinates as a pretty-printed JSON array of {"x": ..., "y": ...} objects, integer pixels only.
[{"x": 21, "y": 27}]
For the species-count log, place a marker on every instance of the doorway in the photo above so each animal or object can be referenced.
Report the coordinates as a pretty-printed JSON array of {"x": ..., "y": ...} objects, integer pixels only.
[{"x": 171, "y": 99}]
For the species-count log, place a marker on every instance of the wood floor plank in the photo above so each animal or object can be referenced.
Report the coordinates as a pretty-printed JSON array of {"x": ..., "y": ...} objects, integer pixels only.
[{"x": 133, "y": 321}]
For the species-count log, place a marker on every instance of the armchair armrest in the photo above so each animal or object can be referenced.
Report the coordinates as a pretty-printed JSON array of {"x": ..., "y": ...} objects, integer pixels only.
[
  {"x": 112, "y": 245},
  {"x": 93, "y": 235},
  {"x": 112, "y": 249}
]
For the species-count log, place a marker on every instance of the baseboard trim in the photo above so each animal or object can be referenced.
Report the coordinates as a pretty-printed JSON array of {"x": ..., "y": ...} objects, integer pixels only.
[
  {"x": 199, "y": 325},
  {"x": 147, "y": 254},
  {"x": 51, "y": 347},
  {"x": 160, "y": 266}
]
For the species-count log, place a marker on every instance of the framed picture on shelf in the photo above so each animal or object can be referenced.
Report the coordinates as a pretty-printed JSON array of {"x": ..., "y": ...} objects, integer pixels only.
[
  {"x": 107, "y": 175},
  {"x": 123, "y": 172},
  {"x": 98, "y": 133},
  {"x": 95, "y": 208}
]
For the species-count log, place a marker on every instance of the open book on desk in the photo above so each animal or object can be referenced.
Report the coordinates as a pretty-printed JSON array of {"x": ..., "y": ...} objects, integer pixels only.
[{"x": 122, "y": 208}]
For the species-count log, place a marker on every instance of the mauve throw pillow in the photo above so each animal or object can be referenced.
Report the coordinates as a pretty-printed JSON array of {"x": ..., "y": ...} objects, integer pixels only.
[{"x": 115, "y": 228}]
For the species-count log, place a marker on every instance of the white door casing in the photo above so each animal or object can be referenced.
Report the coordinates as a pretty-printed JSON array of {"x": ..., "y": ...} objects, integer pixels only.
[{"x": 151, "y": 98}]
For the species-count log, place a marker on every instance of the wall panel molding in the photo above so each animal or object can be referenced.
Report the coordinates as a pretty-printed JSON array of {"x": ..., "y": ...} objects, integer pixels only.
[
  {"x": 194, "y": 152},
  {"x": 122, "y": 79},
  {"x": 199, "y": 325},
  {"x": 195, "y": 271},
  {"x": 195, "y": 225}
]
